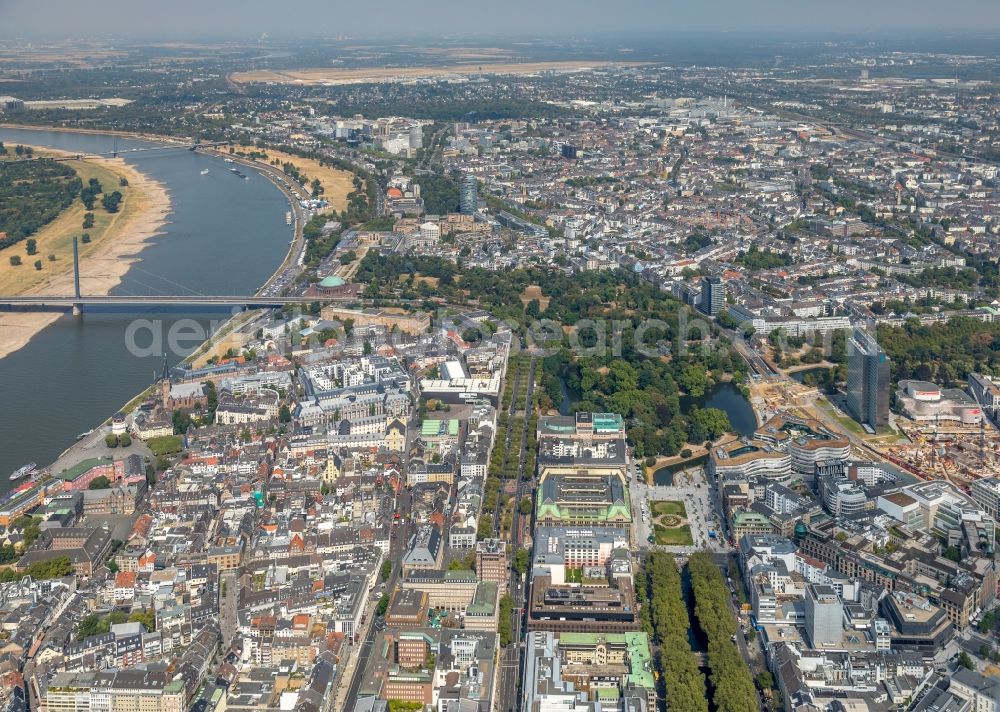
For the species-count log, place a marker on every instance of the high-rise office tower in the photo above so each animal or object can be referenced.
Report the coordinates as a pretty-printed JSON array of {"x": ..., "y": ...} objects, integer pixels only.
[
  {"x": 713, "y": 295},
  {"x": 867, "y": 380},
  {"x": 491, "y": 561},
  {"x": 468, "y": 197}
]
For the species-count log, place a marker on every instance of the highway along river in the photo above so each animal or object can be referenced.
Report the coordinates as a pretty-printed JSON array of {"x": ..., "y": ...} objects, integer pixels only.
[{"x": 224, "y": 235}]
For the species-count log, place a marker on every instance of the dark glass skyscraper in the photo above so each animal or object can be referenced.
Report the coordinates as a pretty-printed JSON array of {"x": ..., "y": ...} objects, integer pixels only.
[
  {"x": 468, "y": 196},
  {"x": 713, "y": 295},
  {"x": 867, "y": 380}
]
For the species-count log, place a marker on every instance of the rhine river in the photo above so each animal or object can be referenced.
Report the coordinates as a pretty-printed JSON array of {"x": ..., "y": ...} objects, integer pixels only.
[{"x": 224, "y": 235}]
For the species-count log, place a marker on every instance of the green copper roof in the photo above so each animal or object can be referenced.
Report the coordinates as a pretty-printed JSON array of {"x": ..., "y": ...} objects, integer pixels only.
[
  {"x": 572, "y": 504},
  {"x": 332, "y": 281},
  {"x": 485, "y": 601},
  {"x": 636, "y": 644},
  {"x": 71, "y": 473}
]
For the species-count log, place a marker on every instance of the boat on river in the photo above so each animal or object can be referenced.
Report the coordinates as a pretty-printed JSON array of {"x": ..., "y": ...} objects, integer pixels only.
[{"x": 22, "y": 472}]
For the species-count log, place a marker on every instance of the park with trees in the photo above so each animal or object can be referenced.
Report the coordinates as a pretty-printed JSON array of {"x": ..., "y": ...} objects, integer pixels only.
[
  {"x": 944, "y": 353},
  {"x": 439, "y": 193},
  {"x": 32, "y": 194},
  {"x": 643, "y": 384}
]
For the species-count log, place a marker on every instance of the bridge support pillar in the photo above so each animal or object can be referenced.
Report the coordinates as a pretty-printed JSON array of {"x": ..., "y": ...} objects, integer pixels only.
[{"x": 77, "y": 309}]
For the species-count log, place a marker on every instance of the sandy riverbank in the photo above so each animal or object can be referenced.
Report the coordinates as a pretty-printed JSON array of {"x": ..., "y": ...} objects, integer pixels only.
[{"x": 116, "y": 240}]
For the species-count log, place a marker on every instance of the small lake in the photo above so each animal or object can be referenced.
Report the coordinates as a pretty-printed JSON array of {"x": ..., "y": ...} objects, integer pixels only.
[
  {"x": 665, "y": 475},
  {"x": 566, "y": 403},
  {"x": 726, "y": 397}
]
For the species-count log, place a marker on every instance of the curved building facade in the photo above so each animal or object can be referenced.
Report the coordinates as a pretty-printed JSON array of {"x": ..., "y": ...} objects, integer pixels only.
[{"x": 740, "y": 459}]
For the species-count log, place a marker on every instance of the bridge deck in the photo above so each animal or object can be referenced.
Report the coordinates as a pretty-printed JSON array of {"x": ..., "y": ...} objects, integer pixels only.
[
  {"x": 58, "y": 300},
  {"x": 119, "y": 151}
]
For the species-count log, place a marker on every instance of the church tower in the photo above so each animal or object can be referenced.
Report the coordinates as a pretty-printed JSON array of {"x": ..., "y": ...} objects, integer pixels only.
[{"x": 165, "y": 384}]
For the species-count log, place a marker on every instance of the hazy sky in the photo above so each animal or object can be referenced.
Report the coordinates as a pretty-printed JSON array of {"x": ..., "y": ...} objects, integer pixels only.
[{"x": 194, "y": 18}]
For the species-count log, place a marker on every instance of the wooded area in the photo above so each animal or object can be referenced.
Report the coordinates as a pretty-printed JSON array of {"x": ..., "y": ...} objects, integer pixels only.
[
  {"x": 32, "y": 194},
  {"x": 943, "y": 353}
]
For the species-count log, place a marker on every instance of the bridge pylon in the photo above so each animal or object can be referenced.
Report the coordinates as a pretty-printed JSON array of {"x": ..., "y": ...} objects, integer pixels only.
[{"x": 78, "y": 304}]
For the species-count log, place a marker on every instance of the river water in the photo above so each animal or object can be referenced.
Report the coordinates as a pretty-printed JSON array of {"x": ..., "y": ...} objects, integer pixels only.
[{"x": 224, "y": 235}]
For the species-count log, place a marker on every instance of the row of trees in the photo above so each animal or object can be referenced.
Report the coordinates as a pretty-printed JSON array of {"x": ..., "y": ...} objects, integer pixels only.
[
  {"x": 89, "y": 193},
  {"x": 733, "y": 689},
  {"x": 684, "y": 685},
  {"x": 19, "y": 150},
  {"x": 503, "y": 463},
  {"x": 115, "y": 440},
  {"x": 504, "y": 625},
  {"x": 290, "y": 169},
  {"x": 15, "y": 261}
]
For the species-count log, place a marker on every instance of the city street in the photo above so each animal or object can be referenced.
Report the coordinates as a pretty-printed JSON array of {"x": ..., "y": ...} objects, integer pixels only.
[
  {"x": 353, "y": 671},
  {"x": 227, "y": 606},
  {"x": 511, "y": 663}
]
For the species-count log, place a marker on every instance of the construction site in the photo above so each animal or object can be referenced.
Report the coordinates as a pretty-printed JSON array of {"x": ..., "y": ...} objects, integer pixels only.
[
  {"x": 948, "y": 451},
  {"x": 928, "y": 449}
]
